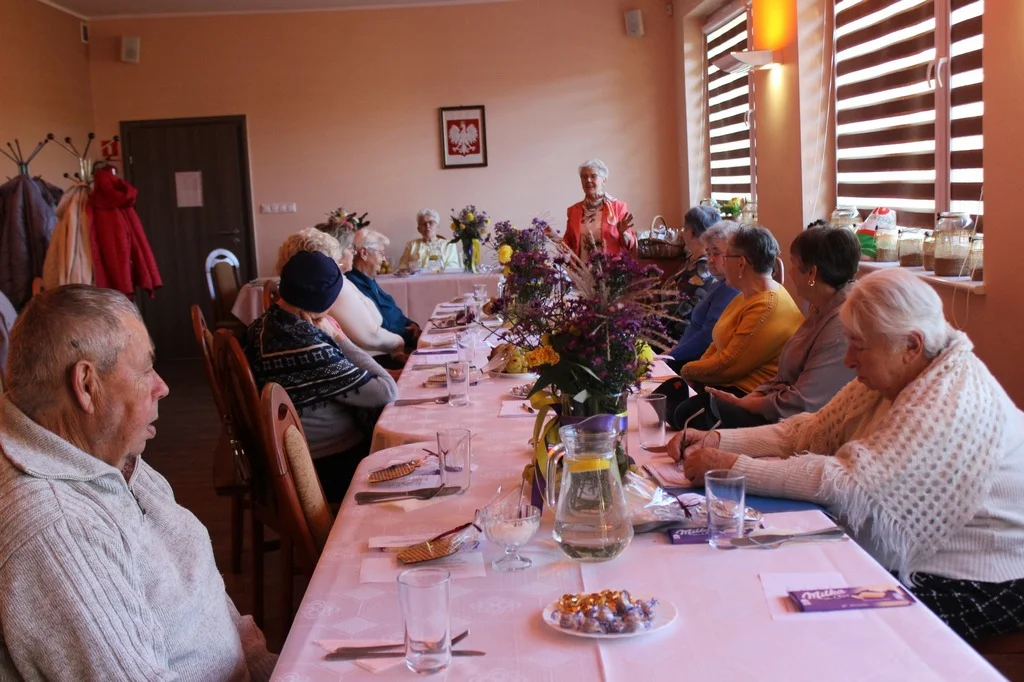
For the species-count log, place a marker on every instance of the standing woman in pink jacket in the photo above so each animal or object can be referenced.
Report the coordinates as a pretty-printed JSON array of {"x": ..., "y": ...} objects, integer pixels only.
[{"x": 599, "y": 222}]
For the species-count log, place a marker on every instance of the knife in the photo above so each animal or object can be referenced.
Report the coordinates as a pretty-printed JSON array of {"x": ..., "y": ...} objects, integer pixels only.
[
  {"x": 371, "y": 496},
  {"x": 414, "y": 401},
  {"x": 395, "y": 654},
  {"x": 443, "y": 351}
]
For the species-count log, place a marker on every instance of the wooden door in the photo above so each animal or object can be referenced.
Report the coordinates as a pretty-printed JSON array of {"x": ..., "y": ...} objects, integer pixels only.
[{"x": 194, "y": 196}]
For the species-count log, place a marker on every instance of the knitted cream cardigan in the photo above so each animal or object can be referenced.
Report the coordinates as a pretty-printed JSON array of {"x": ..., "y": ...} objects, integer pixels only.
[{"x": 921, "y": 475}]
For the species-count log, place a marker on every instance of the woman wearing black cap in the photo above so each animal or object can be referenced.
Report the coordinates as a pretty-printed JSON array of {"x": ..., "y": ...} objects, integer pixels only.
[{"x": 338, "y": 390}]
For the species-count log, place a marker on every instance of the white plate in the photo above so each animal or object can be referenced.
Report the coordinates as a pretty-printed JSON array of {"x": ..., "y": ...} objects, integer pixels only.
[
  {"x": 520, "y": 377},
  {"x": 664, "y": 615}
]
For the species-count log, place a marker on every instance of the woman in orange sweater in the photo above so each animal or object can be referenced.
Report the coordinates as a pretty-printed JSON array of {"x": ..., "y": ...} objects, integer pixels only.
[{"x": 749, "y": 336}]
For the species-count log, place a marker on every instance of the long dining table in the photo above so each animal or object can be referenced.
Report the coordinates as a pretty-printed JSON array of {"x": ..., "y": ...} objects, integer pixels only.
[{"x": 733, "y": 623}]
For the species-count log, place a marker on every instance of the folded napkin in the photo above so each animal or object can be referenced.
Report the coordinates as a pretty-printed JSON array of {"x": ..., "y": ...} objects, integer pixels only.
[
  {"x": 374, "y": 665},
  {"x": 443, "y": 341},
  {"x": 516, "y": 408}
]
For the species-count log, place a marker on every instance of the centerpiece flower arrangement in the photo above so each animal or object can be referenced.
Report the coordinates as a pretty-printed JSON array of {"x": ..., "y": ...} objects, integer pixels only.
[
  {"x": 469, "y": 227},
  {"x": 349, "y": 221},
  {"x": 587, "y": 328}
]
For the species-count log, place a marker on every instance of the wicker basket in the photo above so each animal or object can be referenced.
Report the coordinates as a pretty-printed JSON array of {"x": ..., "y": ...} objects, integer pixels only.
[{"x": 655, "y": 248}]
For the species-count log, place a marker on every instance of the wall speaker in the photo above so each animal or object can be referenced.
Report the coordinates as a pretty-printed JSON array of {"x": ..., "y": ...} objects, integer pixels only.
[
  {"x": 634, "y": 23},
  {"x": 130, "y": 46}
]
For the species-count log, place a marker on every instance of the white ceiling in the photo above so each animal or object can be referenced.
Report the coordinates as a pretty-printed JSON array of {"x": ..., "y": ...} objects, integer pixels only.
[{"x": 109, "y": 9}]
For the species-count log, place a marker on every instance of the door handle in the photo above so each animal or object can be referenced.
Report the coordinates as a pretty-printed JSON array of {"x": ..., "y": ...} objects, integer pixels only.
[{"x": 236, "y": 240}]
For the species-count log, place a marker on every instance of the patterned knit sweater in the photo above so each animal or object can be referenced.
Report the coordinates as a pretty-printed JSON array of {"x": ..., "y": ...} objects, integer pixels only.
[
  {"x": 932, "y": 484},
  {"x": 107, "y": 579}
]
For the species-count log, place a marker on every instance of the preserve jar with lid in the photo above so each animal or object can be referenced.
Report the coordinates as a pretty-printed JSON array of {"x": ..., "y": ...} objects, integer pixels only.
[
  {"x": 887, "y": 244},
  {"x": 912, "y": 246},
  {"x": 928, "y": 252},
  {"x": 952, "y": 244},
  {"x": 976, "y": 258},
  {"x": 845, "y": 216}
]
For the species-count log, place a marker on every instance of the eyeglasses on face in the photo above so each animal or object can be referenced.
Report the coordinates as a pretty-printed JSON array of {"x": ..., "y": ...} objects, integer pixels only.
[{"x": 733, "y": 255}]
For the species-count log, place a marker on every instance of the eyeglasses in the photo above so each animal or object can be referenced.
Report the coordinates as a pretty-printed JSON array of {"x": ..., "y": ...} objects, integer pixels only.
[{"x": 733, "y": 255}]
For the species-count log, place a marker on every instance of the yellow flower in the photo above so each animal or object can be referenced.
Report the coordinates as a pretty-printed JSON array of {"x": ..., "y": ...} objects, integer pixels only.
[
  {"x": 487, "y": 222},
  {"x": 545, "y": 339},
  {"x": 545, "y": 355},
  {"x": 504, "y": 254},
  {"x": 470, "y": 217},
  {"x": 455, "y": 226},
  {"x": 507, "y": 271}
]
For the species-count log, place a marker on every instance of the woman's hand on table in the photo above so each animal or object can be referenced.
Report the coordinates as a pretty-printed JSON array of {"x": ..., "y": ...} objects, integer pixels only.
[
  {"x": 699, "y": 461},
  {"x": 691, "y": 440}
]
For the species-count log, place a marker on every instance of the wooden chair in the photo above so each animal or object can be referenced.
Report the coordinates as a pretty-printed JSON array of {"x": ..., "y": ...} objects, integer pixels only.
[
  {"x": 779, "y": 271},
  {"x": 300, "y": 497},
  {"x": 271, "y": 294},
  {"x": 224, "y": 282},
  {"x": 230, "y": 479},
  {"x": 243, "y": 401}
]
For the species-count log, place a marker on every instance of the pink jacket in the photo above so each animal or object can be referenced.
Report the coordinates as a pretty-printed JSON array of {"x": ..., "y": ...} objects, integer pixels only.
[{"x": 614, "y": 211}]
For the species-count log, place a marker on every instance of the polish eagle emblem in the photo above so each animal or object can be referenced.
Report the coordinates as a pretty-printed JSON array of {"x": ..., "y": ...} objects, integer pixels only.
[{"x": 463, "y": 138}]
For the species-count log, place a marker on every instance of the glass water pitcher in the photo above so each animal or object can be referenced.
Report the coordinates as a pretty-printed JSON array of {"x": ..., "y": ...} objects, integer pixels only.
[{"x": 591, "y": 517}]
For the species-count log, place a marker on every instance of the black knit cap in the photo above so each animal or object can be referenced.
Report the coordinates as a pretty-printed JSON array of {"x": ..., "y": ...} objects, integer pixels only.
[{"x": 311, "y": 281}]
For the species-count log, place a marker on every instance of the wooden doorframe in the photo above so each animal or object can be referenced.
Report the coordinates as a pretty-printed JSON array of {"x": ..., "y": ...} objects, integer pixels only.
[{"x": 247, "y": 213}]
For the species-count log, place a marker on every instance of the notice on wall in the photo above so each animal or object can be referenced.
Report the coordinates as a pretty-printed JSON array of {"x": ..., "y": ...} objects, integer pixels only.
[{"x": 189, "y": 186}]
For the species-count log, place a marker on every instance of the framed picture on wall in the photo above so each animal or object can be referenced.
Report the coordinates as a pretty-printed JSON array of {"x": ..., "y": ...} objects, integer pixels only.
[{"x": 463, "y": 137}]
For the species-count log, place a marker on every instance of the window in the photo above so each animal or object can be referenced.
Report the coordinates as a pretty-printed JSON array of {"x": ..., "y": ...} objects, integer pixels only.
[
  {"x": 728, "y": 103},
  {"x": 908, "y": 83}
]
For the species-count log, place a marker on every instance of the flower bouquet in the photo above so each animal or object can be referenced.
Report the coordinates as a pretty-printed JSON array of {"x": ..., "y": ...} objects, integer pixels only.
[
  {"x": 587, "y": 327},
  {"x": 348, "y": 221},
  {"x": 469, "y": 227}
]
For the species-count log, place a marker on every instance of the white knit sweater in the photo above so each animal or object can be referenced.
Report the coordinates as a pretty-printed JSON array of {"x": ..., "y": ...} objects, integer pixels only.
[
  {"x": 957, "y": 518},
  {"x": 103, "y": 579}
]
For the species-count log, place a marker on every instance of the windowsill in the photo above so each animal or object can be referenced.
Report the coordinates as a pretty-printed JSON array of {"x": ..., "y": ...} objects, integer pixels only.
[{"x": 958, "y": 283}]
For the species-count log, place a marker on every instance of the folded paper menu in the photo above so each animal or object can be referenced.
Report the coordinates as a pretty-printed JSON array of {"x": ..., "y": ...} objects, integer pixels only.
[
  {"x": 845, "y": 598},
  {"x": 517, "y": 408}
]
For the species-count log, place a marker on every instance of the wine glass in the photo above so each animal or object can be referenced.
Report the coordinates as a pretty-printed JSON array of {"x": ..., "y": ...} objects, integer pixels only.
[{"x": 511, "y": 526}]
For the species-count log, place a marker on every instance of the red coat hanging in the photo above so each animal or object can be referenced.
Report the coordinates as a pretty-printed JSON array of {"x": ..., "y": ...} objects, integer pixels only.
[{"x": 122, "y": 259}]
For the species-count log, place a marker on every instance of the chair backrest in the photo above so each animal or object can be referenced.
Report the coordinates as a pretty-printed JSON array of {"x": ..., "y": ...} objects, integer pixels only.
[
  {"x": 224, "y": 281},
  {"x": 204, "y": 338},
  {"x": 302, "y": 507},
  {"x": 242, "y": 400},
  {"x": 779, "y": 271},
  {"x": 271, "y": 294}
]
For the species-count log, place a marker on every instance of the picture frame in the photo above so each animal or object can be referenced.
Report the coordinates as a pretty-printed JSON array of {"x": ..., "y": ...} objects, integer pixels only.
[{"x": 463, "y": 137}]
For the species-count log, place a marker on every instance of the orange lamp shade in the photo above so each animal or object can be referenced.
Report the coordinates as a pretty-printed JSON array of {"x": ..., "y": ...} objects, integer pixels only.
[{"x": 774, "y": 24}]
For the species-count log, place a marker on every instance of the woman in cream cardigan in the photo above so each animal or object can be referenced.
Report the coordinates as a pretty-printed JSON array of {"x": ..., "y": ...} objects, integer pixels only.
[
  {"x": 418, "y": 252},
  {"x": 750, "y": 334},
  {"x": 356, "y": 316},
  {"x": 922, "y": 457}
]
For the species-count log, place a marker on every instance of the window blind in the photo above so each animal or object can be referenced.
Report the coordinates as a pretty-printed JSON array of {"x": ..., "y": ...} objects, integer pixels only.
[
  {"x": 966, "y": 106},
  {"x": 885, "y": 107},
  {"x": 729, "y": 117}
]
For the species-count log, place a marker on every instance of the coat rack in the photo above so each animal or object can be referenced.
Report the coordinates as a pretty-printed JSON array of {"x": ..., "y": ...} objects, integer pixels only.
[
  {"x": 18, "y": 158},
  {"x": 85, "y": 169}
]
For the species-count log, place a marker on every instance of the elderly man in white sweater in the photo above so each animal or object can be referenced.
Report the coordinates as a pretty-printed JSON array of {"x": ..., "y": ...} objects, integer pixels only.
[
  {"x": 922, "y": 457},
  {"x": 102, "y": 575}
]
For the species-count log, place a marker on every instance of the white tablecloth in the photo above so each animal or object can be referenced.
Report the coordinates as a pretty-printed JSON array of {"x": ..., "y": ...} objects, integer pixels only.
[
  {"x": 725, "y": 630},
  {"x": 416, "y": 294}
]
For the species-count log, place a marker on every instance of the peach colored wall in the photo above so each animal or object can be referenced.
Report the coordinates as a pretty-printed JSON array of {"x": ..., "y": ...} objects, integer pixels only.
[
  {"x": 342, "y": 106},
  {"x": 44, "y": 69}
]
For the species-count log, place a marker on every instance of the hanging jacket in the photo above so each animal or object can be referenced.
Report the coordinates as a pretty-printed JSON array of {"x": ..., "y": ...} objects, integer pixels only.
[
  {"x": 27, "y": 220},
  {"x": 121, "y": 255},
  {"x": 69, "y": 258}
]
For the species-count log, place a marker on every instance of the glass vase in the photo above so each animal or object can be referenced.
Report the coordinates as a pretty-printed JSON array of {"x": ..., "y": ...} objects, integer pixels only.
[{"x": 470, "y": 251}]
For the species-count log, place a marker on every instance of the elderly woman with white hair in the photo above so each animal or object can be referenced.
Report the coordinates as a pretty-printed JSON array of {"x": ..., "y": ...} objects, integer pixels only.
[
  {"x": 431, "y": 252},
  {"x": 352, "y": 313},
  {"x": 922, "y": 457},
  {"x": 600, "y": 222},
  {"x": 369, "y": 246}
]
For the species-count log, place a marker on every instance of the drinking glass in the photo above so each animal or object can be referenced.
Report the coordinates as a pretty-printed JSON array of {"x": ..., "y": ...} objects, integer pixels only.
[
  {"x": 457, "y": 376},
  {"x": 425, "y": 596},
  {"x": 453, "y": 446},
  {"x": 467, "y": 343},
  {"x": 511, "y": 526},
  {"x": 650, "y": 412},
  {"x": 480, "y": 293},
  {"x": 725, "y": 491}
]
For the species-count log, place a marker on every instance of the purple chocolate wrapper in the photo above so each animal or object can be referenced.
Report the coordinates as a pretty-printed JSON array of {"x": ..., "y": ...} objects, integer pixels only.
[{"x": 845, "y": 598}]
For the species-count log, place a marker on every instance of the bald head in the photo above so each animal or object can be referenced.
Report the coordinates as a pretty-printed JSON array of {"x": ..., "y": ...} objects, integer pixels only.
[{"x": 58, "y": 329}]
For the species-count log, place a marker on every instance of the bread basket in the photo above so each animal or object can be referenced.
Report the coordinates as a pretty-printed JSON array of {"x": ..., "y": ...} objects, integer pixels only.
[{"x": 656, "y": 246}]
